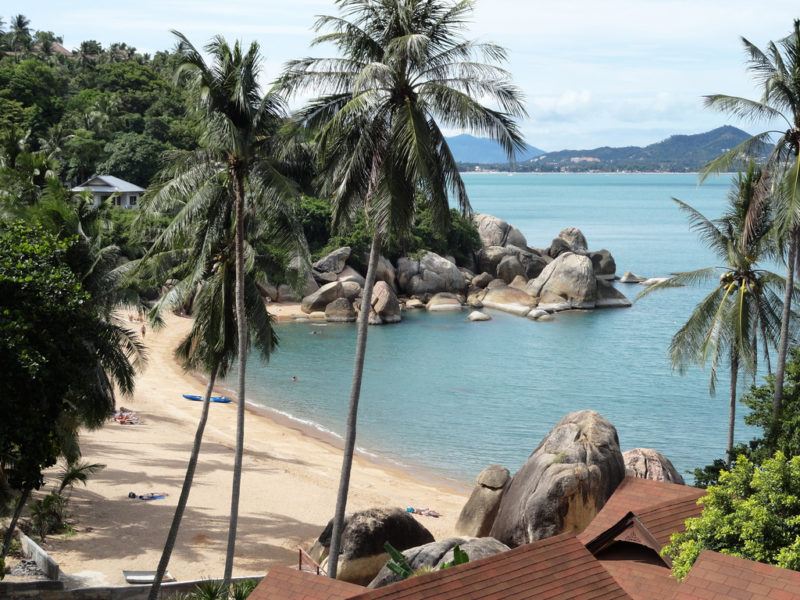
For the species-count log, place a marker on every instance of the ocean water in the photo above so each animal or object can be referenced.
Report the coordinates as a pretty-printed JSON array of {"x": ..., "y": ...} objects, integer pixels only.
[{"x": 453, "y": 396}]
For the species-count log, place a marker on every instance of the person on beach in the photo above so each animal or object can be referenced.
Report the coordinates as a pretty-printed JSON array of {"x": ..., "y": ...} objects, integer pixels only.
[{"x": 144, "y": 330}]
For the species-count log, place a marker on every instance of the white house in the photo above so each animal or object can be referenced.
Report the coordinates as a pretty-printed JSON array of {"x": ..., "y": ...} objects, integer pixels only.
[{"x": 126, "y": 194}]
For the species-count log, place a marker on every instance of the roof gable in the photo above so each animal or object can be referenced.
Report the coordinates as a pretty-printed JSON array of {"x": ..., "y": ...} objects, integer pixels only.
[
  {"x": 283, "y": 583},
  {"x": 108, "y": 183}
]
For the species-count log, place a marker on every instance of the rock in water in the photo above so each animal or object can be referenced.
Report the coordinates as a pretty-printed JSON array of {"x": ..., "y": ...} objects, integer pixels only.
[
  {"x": 385, "y": 272},
  {"x": 629, "y": 277},
  {"x": 477, "y": 315},
  {"x": 507, "y": 299},
  {"x": 340, "y": 311},
  {"x": 350, "y": 274},
  {"x": 509, "y": 268},
  {"x": 496, "y": 232},
  {"x": 646, "y": 463},
  {"x": 564, "y": 482},
  {"x": 482, "y": 280},
  {"x": 477, "y": 516},
  {"x": 429, "y": 275},
  {"x": 385, "y": 305},
  {"x": 568, "y": 279},
  {"x": 558, "y": 247},
  {"x": 444, "y": 301},
  {"x": 575, "y": 239},
  {"x": 432, "y": 556},
  {"x": 364, "y": 535},
  {"x": 605, "y": 267},
  {"x": 333, "y": 262},
  {"x": 610, "y": 297}
]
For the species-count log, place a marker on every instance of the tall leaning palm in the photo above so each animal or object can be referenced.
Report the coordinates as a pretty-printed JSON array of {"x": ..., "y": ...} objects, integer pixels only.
[
  {"x": 404, "y": 70},
  {"x": 240, "y": 126},
  {"x": 777, "y": 71},
  {"x": 745, "y": 304}
]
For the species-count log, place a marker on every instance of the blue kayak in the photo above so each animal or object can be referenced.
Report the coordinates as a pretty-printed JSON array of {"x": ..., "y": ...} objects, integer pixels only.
[{"x": 218, "y": 399}]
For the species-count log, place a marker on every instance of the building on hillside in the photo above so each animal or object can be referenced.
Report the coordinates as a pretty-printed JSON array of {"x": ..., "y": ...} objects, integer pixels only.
[
  {"x": 125, "y": 193},
  {"x": 617, "y": 557}
]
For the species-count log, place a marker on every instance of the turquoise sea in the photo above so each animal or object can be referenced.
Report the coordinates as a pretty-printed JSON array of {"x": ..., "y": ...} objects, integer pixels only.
[{"x": 453, "y": 396}]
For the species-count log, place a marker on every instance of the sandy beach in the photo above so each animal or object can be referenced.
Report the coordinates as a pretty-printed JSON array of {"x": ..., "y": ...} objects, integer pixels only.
[{"x": 288, "y": 490}]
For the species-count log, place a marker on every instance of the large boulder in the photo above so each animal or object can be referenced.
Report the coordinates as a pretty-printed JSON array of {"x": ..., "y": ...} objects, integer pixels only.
[
  {"x": 385, "y": 305},
  {"x": 575, "y": 239},
  {"x": 610, "y": 297},
  {"x": 564, "y": 483},
  {"x": 340, "y": 311},
  {"x": 568, "y": 279},
  {"x": 365, "y": 532},
  {"x": 477, "y": 516},
  {"x": 490, "y": 256},
  {"x": 509, "y": 268},
  {"x": 507, "y": 299},
  {"x": 444, "y": 301},
  {"x": 333, "y": 262},
  {"x": 385, "y": 271},
  {"x": 429, "y": 275},
  {"x": 349, "y": 274},
  {"x": 432, "y": 556},
  {"x": 646, "y": 463},
  {"x": 605, "y": 267},
  {"x": 477, "y": 315},
  {"x": 322, "y": 297},
  {"x": 286, "y": 293},
  {"x": 628, "y": 277},
  {"x": 558, "y": 247},
  {"x": 482, "y": 280},
  {"x": 519, "y": 282},
  {"x": 494, "y": 231}
]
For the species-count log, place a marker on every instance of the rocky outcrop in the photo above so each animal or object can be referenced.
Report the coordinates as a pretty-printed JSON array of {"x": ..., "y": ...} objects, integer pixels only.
[
  {"x": 610, "y": 297},
  {"x": 444, "y": 301},
  {"x": 507, "y": 299},
  {"x": 509, "y": 268},
  {"x": 646, "y": 463},
  {"x": 385, "y": 271},
  {"x": 365, "y": 533},
  {"x": 568, "y": 280},
  {"x": 322, "y": 297},
  {"x": 564, "y": 482},
  {"x": 477, "y": 516},
  {"x": 432, "y": 556},
  {"x": 385, "y": 305},
  {"x": 429, "y": 275},
  {"x": 605, "y": 267},
  {"x": 333, "y": 262},
  {"x": 629, "y": 277},
  {"x": 287, "y": 294},
  {"x": 558, "y": 247},
  {"x": 349, "y": 274},
  {"x": 490, "y": 256},
  {"x": 477, "y": 315},
  {"x": 575, "y": 239},
  {"x": 493, "y": 231},
  {"x": 519, "y": 282},
  {"x": 482, "y": 280},
  {"x": 340, "y": 311}
]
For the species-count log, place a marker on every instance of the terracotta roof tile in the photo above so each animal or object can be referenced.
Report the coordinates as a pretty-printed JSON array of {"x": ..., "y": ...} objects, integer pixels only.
[
  {"x": 717, "y": 576},
  {"x": 636, "y": 495},
  {"x": 283, "y": 583},
  {"x": 558, "y": 567}
]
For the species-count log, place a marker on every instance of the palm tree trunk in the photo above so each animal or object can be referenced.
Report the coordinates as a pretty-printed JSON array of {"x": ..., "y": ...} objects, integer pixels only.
[
  {"x": 169, "y": 545},
  {"x": 241, "y": 332},
  {"x": 783, "y": 347},
  {"x": 732, "y": 412},
  {"x": 352, "y": 415},
  {"x": 13, "y": 523}
]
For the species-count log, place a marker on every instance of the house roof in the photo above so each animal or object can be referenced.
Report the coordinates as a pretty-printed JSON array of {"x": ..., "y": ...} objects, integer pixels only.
[
  {"x": 283, "y": 583},
  {"x": 639, "y": 496},
  {"x": 716, "y": 576},
  {"x": 108, "y": 183},
  {"x": 639, "y": 571}
]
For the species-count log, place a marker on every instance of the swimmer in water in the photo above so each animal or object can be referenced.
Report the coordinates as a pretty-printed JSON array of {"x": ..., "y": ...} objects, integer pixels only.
[{"x": 294, "y": 377}]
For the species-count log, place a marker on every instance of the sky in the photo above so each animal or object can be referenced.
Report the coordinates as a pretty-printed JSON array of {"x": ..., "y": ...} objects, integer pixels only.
[{"x": 594, "y": 72}]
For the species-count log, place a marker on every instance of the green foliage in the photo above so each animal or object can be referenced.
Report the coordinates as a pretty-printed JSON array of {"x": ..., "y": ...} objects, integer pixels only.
[
  {"x": 753, "y": 512},
  {"x": 398, "y": 564},
  {"x": 49, "y": 515},
  {"x": 459, "y": 558},
  {"x": 215, "y": 590},
  {"x": 133, "y": 157}
]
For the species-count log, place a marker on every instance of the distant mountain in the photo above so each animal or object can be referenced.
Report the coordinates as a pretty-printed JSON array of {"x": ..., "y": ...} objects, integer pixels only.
[
  {"x": 481, "y": 151},
  {"x": 676, "y": 153}
]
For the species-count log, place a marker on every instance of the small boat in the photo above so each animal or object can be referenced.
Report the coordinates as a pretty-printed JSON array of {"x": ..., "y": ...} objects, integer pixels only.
[{"x": 198, "y": 398}]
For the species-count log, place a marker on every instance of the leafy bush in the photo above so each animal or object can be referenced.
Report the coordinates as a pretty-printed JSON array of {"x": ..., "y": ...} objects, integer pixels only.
[
  {"x": 49, "y": 515},
  {"x": 753, "y": 512},
  {"x": 215, "y": 590}
]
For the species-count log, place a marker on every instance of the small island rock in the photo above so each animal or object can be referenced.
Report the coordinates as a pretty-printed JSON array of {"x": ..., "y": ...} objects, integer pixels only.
[{"x": 477, "y": 315}]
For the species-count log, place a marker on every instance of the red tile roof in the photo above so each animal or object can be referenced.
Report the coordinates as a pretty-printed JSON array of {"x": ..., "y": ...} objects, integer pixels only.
[
  {"x": 554, "y": 568},
  {"x": 639, "y": 571},
  {"x": 283, "y": 583},
  {"x": 637, "y": 495},
  {"x": 716, "y": 576}
]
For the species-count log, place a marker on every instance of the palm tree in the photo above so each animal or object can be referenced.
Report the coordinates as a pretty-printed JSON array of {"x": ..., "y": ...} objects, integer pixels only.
[
  {"x": 745, "y": 303},
  {"x": 776, "y": 71},
  {"x": 20, "y": 33},
  {"x": 404, "y": 69},
  {"x": 197, "y": 245},
  {"x": 240, "y": 148}
]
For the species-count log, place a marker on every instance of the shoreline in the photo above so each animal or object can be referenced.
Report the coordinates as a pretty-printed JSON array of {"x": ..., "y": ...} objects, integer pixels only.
[{"x": 289, "y": 484}]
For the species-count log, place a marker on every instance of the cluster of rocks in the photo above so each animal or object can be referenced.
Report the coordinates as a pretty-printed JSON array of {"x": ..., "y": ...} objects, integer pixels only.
[
  {"x": 561, "y": 487},
  {"x": 505, "y": 274}
]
